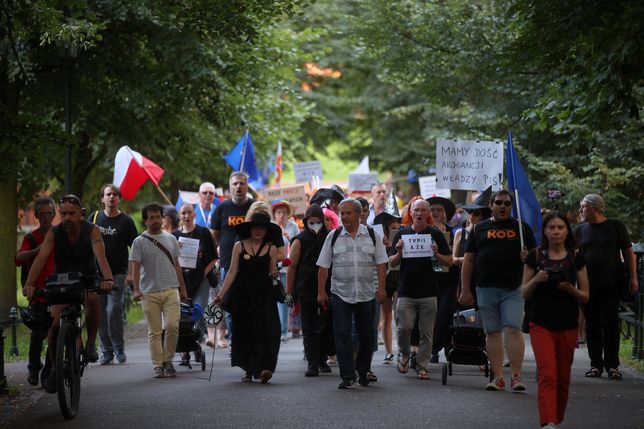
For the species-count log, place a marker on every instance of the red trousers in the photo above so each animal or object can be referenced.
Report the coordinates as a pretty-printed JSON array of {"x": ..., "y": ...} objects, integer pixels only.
[{"x": 554, "y": 352}]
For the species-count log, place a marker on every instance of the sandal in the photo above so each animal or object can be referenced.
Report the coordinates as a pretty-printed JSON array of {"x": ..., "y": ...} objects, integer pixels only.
[
  {"x": 422, "y": 374},
  {"x": 614, "y": 374},
  {"x": 593, "y": 373},
  {"x": 403, "y": 367},
  {"x": 248, "y": 378}
]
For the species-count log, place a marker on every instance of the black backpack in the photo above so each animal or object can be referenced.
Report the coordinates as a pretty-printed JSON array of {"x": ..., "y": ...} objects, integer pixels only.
[
  {"x": 24, "y": 270},
  {"x": 337, "y": 232}
]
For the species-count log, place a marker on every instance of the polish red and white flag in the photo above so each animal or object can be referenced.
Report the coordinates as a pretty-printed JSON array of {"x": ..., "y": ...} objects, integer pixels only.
[
  {"x": 278, "y": 164},
  {"x": 132, "y": 170}
]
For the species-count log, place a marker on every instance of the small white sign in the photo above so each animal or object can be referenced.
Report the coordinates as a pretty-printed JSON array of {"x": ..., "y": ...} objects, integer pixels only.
[
  {"x": 417, "y": 246},
  {"x": 469, "y": 165},
  {"x": 428, "y": 189},
  {"x": 188, "y": 251},
  {"x": 305, "y": 171},
  {"x": 379, "y": 231},
  {"x": 361, "y": 181}
]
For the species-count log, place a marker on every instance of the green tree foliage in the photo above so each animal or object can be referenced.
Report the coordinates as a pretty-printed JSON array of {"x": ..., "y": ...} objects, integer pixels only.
[
  {"x": 565, "y": 77},
  {"x": 179, "y": 81}
]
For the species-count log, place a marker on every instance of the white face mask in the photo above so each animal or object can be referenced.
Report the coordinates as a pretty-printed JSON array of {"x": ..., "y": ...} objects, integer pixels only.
[{"x": 315, "y": 227}]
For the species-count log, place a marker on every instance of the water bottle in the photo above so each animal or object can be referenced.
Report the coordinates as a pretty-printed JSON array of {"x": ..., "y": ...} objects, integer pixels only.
[{"x": 438, "y": 268}]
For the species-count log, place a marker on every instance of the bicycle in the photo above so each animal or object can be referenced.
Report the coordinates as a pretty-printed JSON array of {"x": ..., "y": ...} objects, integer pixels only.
[{"x": 69, "y": 359}]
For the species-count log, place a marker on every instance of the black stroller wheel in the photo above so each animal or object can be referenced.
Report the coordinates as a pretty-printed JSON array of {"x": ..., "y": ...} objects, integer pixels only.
[
  {"x": 487, "y": 370},
  {"x": 203, "y": 359},
  {"x": 444, "y": 375}
]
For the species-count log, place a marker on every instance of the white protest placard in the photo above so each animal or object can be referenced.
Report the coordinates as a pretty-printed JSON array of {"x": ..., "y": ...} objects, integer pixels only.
[
  {"x": 379, "y": 231},
  {"x": 304, "y": 171},
  {"x": 361, "y": 182},
  {"x": 295, "y": 195},
  {"x": 428, "y": 189},
  {"x": 469, "y": 165},
  {"x": 188, "y": 251},
  {"x": 417, "y": 246}
]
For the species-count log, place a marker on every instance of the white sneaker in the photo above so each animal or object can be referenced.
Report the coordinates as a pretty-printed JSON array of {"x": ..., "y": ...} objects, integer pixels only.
[{"x": 550, "y": 426}]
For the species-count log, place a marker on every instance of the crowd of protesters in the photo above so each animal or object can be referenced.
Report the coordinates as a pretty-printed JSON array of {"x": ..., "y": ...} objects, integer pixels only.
[{"x": 343, "y": 276}]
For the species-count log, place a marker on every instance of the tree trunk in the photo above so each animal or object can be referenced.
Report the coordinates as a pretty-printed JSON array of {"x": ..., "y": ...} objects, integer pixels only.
[{"x": 9, "y": 237}]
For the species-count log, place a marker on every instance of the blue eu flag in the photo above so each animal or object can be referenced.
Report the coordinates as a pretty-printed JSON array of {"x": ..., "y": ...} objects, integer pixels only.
[
  {"x": 528, "y": 203},
  {"x": 242, "y": 158}
]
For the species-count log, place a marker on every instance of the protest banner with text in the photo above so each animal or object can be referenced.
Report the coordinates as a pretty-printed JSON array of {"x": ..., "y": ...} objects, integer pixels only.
[
  {"x": 469, "y": 165},
  {"x": 295, "y": 195}
]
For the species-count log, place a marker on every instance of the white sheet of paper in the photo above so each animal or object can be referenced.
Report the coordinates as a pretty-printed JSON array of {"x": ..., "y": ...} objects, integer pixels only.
[
  {"x": 417, "y": 246},
  {"x": 379, "y": 231},
  {"x": 188, "y": 252}
]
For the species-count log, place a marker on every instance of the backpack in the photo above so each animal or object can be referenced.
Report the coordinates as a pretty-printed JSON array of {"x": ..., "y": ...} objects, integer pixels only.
[
  {"x": 337, "y": 232},
  {"x": 24, "y": 271}
]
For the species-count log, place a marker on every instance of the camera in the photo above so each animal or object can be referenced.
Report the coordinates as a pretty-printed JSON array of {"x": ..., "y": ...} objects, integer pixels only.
[{"x": 556, "y": 274}]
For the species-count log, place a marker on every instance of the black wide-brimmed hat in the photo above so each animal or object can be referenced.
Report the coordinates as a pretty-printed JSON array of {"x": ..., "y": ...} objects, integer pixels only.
[
  {"x": 450, "y": 208},
  {"x": 390, "y": 212},
  {"x": 323, "y": 194},
  {"x": 481, "y": 202},
  {"x": 273, "y": 231}
]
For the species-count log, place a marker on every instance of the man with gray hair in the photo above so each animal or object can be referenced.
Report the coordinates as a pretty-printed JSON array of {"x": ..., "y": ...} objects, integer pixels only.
[
  {"x": 207, "y": 203},
  {"x": 604, "y": 243},
  {"x": 359, "y": 261}
]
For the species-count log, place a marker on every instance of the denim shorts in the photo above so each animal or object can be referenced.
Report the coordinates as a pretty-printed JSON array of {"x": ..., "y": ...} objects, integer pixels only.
[{"x": 500, "y": 308}]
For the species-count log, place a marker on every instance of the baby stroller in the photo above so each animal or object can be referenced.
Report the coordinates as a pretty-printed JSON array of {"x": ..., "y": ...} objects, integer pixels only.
[
  {"x": 467, "y": 345},
  {"x": 190, "y": 334}
]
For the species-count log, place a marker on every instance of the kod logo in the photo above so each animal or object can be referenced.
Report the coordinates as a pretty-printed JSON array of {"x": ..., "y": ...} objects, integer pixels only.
[{"x": 502, "y": 234}]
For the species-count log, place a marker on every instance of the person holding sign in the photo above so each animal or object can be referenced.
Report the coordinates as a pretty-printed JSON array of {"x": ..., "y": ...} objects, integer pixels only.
[
  {"x": 494, "y": 260},
  {"x": 197, "y": 258},
  {"x": 414, "y": 250}
]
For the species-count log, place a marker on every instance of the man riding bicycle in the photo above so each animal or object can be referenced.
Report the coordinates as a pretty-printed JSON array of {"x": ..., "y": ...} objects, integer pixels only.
[{"x": 78, "y": 246}]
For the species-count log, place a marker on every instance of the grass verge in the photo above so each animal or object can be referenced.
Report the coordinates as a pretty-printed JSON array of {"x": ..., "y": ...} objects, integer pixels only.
[{"x": 626, "y": 355}]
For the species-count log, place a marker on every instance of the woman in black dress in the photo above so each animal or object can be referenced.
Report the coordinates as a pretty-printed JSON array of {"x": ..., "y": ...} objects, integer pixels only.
[{"x": 252, "y": 299}]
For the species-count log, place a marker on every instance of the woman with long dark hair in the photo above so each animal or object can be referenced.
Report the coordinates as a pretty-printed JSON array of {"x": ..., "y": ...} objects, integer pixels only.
[
  {"x": 555, "y": 282},
  {"x": 252, "y": 304}
]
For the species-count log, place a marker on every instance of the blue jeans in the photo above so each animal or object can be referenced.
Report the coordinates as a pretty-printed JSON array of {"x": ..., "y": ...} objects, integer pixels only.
[
  {"x": 343, "y": 313},
  {"x": 283, "y": 310},
  {"x": 229, "y": 319},
  {"x": 111, "y": 328}
]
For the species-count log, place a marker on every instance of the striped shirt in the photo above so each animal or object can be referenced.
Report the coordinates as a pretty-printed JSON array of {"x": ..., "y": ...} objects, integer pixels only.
[{"x": 354, "y": 277}]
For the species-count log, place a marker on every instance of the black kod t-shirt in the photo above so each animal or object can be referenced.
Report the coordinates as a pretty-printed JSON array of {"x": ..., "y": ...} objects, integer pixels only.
[
  {"x": 550, "y": 307},
  {"x": 417, "y": 278},
  {"x": 599, "y": 244},
  {"x": 228, "y": 215},
  {"x": 497, "y": 249},
  {"x": 118, "y": 234}
]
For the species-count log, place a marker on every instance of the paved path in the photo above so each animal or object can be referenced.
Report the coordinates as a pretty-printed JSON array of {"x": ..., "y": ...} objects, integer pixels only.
[{"x": 126, "y": 396}]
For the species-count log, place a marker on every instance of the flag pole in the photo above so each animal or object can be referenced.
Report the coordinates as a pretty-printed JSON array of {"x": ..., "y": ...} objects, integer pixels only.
[
  {"x": 516, "y": 190},
  {"x": 163, "y": 195},
  {"x": 241, "y": 164}
]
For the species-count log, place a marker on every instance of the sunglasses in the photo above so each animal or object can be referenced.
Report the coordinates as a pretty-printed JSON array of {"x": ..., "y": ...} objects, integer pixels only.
[
  {"x": 72, "y": 199},
  {"x": 476, "y": 213},
  {"x": 503, "y": 202},
  {"x": 208, "y": 193}
]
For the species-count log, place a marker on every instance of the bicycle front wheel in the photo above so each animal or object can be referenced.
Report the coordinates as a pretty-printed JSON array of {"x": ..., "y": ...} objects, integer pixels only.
[{"x": 68, "y": 349}]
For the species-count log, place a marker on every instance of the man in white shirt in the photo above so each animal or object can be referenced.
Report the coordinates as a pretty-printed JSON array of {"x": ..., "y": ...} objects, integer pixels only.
[
  {"x": 358, "y": 258},
  {"x": 158, "y": 283}
]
